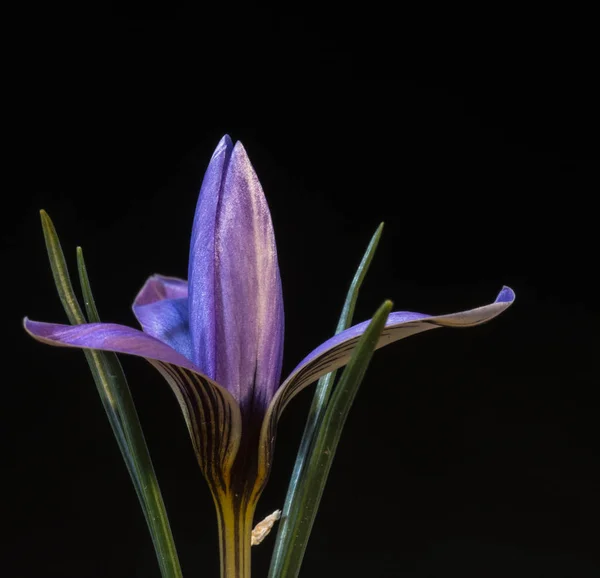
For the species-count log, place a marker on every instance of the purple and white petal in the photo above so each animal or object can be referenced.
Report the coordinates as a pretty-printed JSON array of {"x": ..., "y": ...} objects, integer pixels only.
[
  {"x": 249, "y": 302},
  {"x": 336, "y": 352},
  {"x": 236, "y": 305}
]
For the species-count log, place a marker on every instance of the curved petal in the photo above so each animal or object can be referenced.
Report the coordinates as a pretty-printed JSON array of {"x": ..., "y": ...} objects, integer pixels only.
[
  {"x": 212, "y": 415},
  {"x": 213, "y": 419},
  {"x": 240, "y": 314},
  {"x": 336, "y": 352},
  {"x": 161, "y": 307},
  {"x": 160, "y": 287},
  {"x": 107, "y": 337},
  {"x": 168, "y": 321}
]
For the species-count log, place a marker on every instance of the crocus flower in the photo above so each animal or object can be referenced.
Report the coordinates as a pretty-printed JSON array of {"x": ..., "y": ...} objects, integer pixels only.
[{"x": 217, "y": 339}]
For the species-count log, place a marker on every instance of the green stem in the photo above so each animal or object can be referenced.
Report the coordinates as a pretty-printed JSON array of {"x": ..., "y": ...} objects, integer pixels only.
[{"x": 235, "y": 532}]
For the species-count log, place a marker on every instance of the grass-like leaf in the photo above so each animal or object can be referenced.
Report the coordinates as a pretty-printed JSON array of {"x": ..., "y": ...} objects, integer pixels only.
[
  {"x": 294, "y": 530},
  {"x": 117, "y": 401}
]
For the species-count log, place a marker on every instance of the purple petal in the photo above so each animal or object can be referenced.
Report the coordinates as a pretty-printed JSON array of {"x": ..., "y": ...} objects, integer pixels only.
[
  {"x": 238, "y": 319},
  {"x": 336, "y": 352},
  {"x": 161, "y": 307},
  {"x": 107, "y": 337},
  {"x": 211, "y": 413},
  {"x": 202, "y": 263},
  {"x": 168, "y": 321},
  {"x": 158, "y": 288}
]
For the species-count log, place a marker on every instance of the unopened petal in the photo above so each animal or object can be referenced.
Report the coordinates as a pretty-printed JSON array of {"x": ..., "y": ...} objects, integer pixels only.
[
  {"x": 236, "y": 305},
  {"x": 202, "y": 262},
  {"x": 249, "y": 305}
]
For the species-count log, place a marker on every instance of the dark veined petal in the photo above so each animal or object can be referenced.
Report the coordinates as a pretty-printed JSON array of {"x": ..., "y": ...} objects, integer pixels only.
[
  {"x": 161, "y": 307},
  {"x": 244, "y": 303},
  {"x": 336, "y": 352},
  {"x": 213, "y": 419},
  {"x": 212, "y": 415}
]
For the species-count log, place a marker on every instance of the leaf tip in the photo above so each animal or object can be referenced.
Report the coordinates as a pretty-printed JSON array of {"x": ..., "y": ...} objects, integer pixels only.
[{"x": 47, "y": 224}]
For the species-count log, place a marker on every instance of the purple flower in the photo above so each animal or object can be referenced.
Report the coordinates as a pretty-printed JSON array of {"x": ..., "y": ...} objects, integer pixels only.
[{"x": 218, "y": 337}]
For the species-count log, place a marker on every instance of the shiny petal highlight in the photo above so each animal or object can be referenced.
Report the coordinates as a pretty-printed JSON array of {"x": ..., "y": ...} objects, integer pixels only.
[{"x": 249, "y": 302}]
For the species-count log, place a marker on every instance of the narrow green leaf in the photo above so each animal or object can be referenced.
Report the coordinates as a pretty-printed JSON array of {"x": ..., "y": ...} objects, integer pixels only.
[
  {"x": 320, "y": 457},
  {"x": 290, "y": 522},
  {"x": 359, "y": 276},
  {"x": 60, "y": 272},
  {"x": 109, "y": 375},
  {"x": 88, "y": 298},
  {"x": 117, "y": 401}
]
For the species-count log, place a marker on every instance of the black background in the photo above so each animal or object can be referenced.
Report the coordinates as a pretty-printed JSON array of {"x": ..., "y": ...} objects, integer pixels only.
[{"x": 469, "y": 453}]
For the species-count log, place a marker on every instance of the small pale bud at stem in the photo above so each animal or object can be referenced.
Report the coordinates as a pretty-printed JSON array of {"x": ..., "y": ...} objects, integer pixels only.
[{"x": 262, "y": 529}]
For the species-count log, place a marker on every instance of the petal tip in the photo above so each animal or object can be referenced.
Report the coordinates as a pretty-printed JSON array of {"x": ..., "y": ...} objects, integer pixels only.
[
  {"x": 223, "y": 147},
  {"x": 506, "y": 295},
  {"x": 33, "y": 329},
  {"x": 158, "y": 287},
  {"x": 239, "y": 152}
]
